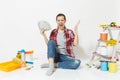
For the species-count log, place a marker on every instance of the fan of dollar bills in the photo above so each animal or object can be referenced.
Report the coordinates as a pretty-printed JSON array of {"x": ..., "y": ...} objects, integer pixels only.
[{"x": 44, "y": 24}]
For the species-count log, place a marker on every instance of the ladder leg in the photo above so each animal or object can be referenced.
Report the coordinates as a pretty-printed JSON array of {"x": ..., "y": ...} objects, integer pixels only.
[
  {"x": 93, "y": 54},
  {"x": 113, "y": 53},
  {"x": 115, "y": 49},
  {"x": 110, "y": 33}
]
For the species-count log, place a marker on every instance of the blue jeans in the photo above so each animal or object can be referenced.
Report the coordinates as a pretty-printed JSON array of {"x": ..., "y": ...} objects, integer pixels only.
[{"x": 63, "y": 61}]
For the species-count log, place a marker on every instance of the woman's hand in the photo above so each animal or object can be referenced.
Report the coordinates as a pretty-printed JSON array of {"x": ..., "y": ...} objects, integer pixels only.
[
  {"x": 42, "y": 31},
  {"x": 76, "y": 27},
  {"x": 76, "y": 40}
]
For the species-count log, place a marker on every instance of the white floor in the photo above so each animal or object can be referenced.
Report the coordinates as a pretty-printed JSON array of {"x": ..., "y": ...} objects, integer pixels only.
[{"x": 36, "y": 73}]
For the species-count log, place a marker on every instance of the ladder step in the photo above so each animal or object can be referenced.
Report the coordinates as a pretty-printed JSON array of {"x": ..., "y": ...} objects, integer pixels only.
[
  {"x": 104, "y": 56},
  {"x": 118, "y": 51}
]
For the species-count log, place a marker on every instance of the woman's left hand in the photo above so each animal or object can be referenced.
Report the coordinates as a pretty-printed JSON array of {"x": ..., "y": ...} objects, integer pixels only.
[{"x": 76, "y": 27}]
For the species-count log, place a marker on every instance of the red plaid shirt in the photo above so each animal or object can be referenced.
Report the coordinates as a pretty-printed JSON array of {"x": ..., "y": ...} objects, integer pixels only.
[{"x": 69, "y": 35}]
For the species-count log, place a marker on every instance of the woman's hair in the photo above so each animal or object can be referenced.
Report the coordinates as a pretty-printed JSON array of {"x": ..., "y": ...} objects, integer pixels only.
[{"x": 60, "y": 14}]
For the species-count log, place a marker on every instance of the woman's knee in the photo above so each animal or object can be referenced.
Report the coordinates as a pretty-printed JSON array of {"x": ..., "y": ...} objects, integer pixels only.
[
  {"x": 76, "y": 64},
  {"x": 51, "y": 46},
  {"x": 51, "y": 42},
  {"x": 51, "y": 49}
]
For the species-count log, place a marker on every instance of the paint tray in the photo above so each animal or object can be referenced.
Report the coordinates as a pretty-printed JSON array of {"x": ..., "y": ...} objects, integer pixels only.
[{"x": 9, "y": 66}]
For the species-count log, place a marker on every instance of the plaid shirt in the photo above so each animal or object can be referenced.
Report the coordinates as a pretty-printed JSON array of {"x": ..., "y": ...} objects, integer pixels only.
[{"x": 69, "y": 35}]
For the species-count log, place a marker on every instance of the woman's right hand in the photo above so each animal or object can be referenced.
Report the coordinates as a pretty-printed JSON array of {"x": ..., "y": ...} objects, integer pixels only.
[{"x": 42, "y": 31}]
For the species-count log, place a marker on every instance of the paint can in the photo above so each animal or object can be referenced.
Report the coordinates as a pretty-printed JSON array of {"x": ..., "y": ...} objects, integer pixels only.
[
  {"x": 29, "y": 58},
  {"x": 112, "y": 66},
  {"x": 103, "y": 36},
  {"x": 104, "y": 65}
]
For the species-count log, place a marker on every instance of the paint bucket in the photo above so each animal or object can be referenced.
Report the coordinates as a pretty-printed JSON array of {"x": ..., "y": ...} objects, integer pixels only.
[
  {"x": 103, "y": 36},
  {"x": 112, "y": 67},
  {"x": 104, "y": 65},
  {"x": 29, "y": 58}
]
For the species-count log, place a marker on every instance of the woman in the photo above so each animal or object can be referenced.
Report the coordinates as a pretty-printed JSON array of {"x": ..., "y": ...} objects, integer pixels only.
[{"x": 60, "y": 46}]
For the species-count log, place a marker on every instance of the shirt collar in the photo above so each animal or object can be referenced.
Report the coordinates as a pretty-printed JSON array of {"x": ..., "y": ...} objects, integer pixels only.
[{"x": 65, "y": 30}]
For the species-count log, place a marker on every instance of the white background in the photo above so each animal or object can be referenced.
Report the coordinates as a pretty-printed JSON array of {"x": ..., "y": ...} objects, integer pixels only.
[
  {"x": 19, "y": 30},
  {"x": 19, "y": 18}
]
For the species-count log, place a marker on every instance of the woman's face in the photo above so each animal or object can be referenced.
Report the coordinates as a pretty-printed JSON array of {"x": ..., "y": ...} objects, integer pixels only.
[{"x": 60, "y": 22}]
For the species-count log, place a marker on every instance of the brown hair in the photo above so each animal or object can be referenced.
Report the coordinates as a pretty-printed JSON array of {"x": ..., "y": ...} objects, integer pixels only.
[{"x": 60, "y": 14}]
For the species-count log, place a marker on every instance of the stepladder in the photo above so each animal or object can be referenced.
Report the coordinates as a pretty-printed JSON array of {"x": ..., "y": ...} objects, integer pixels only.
[{"x": 98, "y": 55}]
